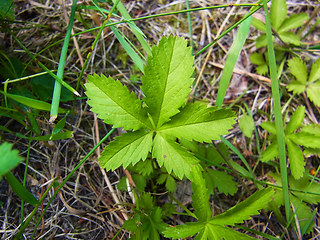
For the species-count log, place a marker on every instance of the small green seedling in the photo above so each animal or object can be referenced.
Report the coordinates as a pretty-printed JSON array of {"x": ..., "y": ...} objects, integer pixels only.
[
  {"x": 308, "y": 193},
  {"x": 207, "y": 227},
  {"x": 282, "y": 28},
  {"x": 308, "y": 137},
  {"x": 282, "y": 25},
  {"x": 163, "y": 115},
  {"x": 303, "y": 83}
]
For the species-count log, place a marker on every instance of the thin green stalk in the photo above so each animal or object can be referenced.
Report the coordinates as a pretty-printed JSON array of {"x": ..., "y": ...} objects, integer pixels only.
[
  {"x": 25, "y": 176},
  {"x": 258, "y": 6},
  {"x": 232, "y": 58},
  {"x": 34, "y": 211},
  {"x": 277, "y": 113},
  {"x": 93, "y": 46},
  {"x": 255, "y": 130},
  {"x": 25, "y": 78},
  {"x": 68, "y": 177},
  {"x": 236, "y": 151},
  {"x": 189, "y": 25},
  {"x": 137, "y": 32},
  {"x": 62, "y": 62},
  {"x": 164, "y": 14},
  {"x": 41, "y": 65},
  {"x": 182, "y": 206}
]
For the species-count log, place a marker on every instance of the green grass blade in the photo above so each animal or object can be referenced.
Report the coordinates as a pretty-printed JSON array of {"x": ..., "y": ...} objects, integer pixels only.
[
  {"x": 252, "y": 11},
  {"x": 131, "y": 52},
  {"x": 20, "y": 190},
  {"x": 232, "y": 60},
  {"x": 137, "y": 32},
  {"x": 277, "y": 113},
  {"x": 25, "y": 177},
  {"x": 30, "y": 102},
  {"x": 62, "y": 62},
  {"x": 236, "y": 151},
  {"x": 41, "y": 65},
  {"x": 34, "y": 211},
  {"x": 189, "y": 25}
]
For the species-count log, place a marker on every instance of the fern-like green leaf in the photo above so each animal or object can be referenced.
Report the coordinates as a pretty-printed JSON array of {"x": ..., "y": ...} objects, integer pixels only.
[
  {"x": 220, "y": 180},
  {"x": 294, "y": 21},
  {"x": 298, "y": 69},
  {"x": 198, "y": 122},
  {"x": 315, "y": 71},
  {"x": 271, "y": 152},
  {"x": 129, "y": 148},
  {"x": 296, "y": 159},
  {"x": 114, "y": 104},
  {"x": 9, "y": 158},
  {"x": 244, "y": 210},
  {"x": 296, "y": 87},
  {"x": 217, "y": 232},
  {"x": 290, "y": 37},
  {"x": 184, "y": 231},
  {"x": 200, "y": 196},
  {"x": 278, "y": 13},
  {"x": 295, "y": 120},
  {"x": 167, "y": 79},
  {"x": 172, "y": 156},
  {"x": 305, "y": 139},
  {"x": 269, "y": 126},
  {"x": 313, "y": 92}
]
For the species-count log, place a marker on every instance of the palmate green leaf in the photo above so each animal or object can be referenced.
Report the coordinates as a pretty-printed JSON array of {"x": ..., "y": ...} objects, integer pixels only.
[
  {"x": 172, "y": 156},
  {"x": 200, "y": 196},
  {"x": 307, "y": 187},
  {"x": 311, "y": 128},
  {"x": 269, "y": 126},
  {"x": 271, "y": 152},
  {"x": 114, "y": 104},
  {"x": 217, "y": 232},
  {"x": 257, "y": 23},
  {"x": 290, "y": 37},
  {"x": 313, "y": 92},
  {"x": 315, "y": 71},
  {"x": 305, "y": 139},
  {"x": 221, "y": 180},
  {"x": 295, "y": 120},
  {"x": 293, "y": 21},
  {"x": 198, "y": 122},
  {"x": 129, "y": 148},
  {"x": 245, "y": 209},
  {"x": 257, "y": 58},
  {"x": 278, "y": 13},
  {"x": 298, "y": 69},
  {"x": 8, "y": 158},
  {"x": 167, "y": 79},
  {"x": 246, "y": 124},
  {"x": 183, "y": 231},
  {"x": 262, "y": 69},
  {"x": 296, "y": 159},
  {"x": 261, "y": 41},
  {"x": 298, "y": 199},
  {"x": 296, "y": 87},
  {"x": 206, "y": 231}
]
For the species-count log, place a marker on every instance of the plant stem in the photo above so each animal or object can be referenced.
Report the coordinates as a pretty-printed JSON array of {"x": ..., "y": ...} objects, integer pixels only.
[
  {"x": 277, "y": 113},
  {"x": 62, "y": 62}
]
